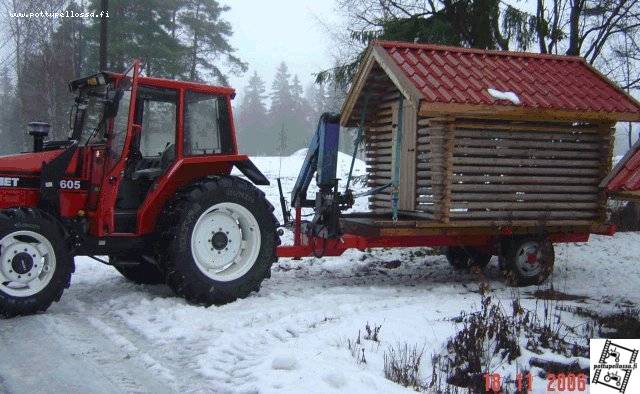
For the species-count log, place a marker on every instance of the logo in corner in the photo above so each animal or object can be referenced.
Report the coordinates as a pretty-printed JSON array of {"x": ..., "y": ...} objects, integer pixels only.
[{"x": 613, "y": 365}]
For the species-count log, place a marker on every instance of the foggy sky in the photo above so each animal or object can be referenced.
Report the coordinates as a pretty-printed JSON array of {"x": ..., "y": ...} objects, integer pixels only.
[{"x": 266, "y": 33}]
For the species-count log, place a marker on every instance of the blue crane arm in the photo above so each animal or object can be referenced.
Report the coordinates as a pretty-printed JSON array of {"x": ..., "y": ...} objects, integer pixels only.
[{"x": 322, "y": 158}]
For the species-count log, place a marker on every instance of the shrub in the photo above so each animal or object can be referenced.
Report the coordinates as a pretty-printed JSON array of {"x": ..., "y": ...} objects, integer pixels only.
[
  {"x": 402, "y": 365},
  {"x": 625, "y": 215},
  {"x": 486, "y": 339}
]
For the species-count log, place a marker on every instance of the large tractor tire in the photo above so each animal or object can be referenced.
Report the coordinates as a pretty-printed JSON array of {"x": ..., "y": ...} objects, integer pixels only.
[
  {"x": 528, "y": 260},
  {"x": 218, "y": 240},
  {"x": 466, "y": 257},
  {"x": 138, "y": 270},
  {"x": 35, "y": 264}
]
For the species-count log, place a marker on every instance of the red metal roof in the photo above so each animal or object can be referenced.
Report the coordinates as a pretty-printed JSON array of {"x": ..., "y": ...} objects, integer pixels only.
[
  {"x": 626, "y": 174},
  {"x": 463, "y": 76}
]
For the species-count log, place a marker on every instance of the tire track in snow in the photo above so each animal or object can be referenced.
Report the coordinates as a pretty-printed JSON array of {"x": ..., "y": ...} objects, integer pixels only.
[
  {"x": 173, "y": 362},
  {"x": 70, "y": 356},
  {"x": 135, "y": 352}
]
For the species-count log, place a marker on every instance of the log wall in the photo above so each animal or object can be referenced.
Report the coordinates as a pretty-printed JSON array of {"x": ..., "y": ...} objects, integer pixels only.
[
  {"x": 378, "y": 150},
  {"x": 505, "y": 172}
]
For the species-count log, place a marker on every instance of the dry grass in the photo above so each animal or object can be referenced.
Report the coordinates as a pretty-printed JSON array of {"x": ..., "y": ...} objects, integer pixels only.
[{"x": 402, "y": 365}]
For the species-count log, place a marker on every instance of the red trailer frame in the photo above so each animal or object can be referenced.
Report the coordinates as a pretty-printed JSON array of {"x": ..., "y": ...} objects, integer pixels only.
[{"x": 486, "y": 239}]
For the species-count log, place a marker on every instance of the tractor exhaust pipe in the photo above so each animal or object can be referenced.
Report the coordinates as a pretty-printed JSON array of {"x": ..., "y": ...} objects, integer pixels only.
[{"x": 39, "y": 131}]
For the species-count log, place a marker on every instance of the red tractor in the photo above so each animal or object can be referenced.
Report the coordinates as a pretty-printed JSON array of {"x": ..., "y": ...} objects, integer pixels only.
[{"x": 144, "y": 178}]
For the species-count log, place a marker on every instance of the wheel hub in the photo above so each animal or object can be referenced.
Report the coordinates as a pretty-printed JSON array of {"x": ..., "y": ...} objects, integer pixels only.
[
  {"x": 22, "y": 263},
  {"x": 528, "y": 259},
  {"x": 219, "y": 240}
]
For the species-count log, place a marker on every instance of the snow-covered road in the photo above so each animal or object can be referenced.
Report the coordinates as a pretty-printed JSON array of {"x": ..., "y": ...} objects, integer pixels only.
[{"x": 110, "y": 336}]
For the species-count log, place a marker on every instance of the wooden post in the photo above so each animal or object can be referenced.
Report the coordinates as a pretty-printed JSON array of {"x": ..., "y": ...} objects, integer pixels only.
[
  {"x": 408, "y": 159},
  {"x": 396, "y": 155},
  {"x": 449, "y": 139},
  {"x": 608, "y": 135}
]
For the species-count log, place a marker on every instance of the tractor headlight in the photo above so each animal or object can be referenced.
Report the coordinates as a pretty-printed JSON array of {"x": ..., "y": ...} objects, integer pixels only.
[{"x": 96, "y": 80}]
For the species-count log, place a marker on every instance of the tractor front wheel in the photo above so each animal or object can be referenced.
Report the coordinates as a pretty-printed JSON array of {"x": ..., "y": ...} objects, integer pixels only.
[
  {"x": 220, "y": 241},
  {"x": 35, "y": 265}
]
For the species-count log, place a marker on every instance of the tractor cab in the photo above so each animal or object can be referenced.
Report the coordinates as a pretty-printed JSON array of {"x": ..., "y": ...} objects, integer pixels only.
[{"x": 133, "y": 142}]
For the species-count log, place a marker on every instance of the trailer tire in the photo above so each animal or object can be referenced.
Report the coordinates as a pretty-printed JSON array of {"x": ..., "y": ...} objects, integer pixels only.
[
  {"x": 528, "y": 260},
  {"x": 35, "y": 265},
  {"x": 204, "y": 266},
  {"x": 461, "y": 257},
  {"x": 138, "y": 270}
]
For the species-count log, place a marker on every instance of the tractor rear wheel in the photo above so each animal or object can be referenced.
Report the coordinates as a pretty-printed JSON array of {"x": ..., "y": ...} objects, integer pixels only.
[
  {"x": 461, "y": 257},
  {"x": 138, "y": 270},
  {"x": 528, "y": 260},
  {"x": 219, "y": 239},
  {"x": 35, "y": 264}
]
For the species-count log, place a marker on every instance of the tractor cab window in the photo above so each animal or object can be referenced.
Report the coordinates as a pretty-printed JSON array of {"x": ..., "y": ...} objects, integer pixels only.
[
  {"x": 206, "y": 121},
  {"x": 158, "y": 110},
  {"x": 119, "y": 128},
  {"x": 93, "y": 121},
  {"x": 121, "y": 120}
]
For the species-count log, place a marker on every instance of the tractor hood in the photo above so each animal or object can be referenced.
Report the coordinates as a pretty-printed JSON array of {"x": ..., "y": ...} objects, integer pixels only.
[{"x": 27, "y": 163}]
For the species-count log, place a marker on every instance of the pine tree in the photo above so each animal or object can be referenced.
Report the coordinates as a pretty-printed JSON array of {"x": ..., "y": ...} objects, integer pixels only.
[
  {"x": 140, "y": 30},
  {"x": 296, "y": 92},
  {"x": 208, "y": 41},
  {"x": 289, "y": 110},
  {"x": 281, "y": 97},
  {"x": 252, "y": 118},
  {"x": 301, "y": 118},
  {"x": 11, "y": 131},
  {"x": 281, "y": 108}
]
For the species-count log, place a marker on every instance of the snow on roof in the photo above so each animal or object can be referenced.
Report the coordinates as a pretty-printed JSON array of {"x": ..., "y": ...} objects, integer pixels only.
[{"x": 499, "y": 95}]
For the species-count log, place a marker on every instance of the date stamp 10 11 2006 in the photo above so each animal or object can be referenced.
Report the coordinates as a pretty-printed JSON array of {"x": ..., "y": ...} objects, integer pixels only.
[{"x": 555, "y": 382}]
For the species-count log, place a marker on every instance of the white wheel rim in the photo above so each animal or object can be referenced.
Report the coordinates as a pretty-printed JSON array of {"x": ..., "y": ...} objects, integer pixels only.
[
  {"x": 27, "y": 263},
  {"x": 529, "y": 258},
  {"x": 225, "y": 241}
]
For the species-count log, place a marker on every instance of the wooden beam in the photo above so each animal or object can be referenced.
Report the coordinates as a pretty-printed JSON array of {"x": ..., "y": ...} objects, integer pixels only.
[
  {"x": 522, "y": 113},
  {"x": 356, "y": 88},
  {"x": 397, "y": 76},
  {"x": 426, "y": 227}
]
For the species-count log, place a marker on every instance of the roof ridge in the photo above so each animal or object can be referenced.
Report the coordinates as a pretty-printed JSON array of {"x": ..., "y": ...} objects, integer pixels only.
[{"x": 439, "y": 47}]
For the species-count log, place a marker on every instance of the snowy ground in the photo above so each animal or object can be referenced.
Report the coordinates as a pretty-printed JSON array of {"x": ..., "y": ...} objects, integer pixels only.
[{"x": 108, "y": 335}]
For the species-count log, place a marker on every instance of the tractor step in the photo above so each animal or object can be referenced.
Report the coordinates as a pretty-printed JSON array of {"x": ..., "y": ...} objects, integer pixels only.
[{"x": 125, "y": 220}]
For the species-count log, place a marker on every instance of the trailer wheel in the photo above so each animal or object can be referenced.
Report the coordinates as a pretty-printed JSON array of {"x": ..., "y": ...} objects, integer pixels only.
[
  {"x": 35, "y": 265},
  {"x": 461, "y": 257},
  {"x": 138, "y": 270},
  {"x": 529, "y": 260},
  {"x": 220, "y": 241}
]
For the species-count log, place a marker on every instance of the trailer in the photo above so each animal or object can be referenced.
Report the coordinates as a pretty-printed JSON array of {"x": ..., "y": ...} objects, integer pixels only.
[{"x": 478, "y": 152}]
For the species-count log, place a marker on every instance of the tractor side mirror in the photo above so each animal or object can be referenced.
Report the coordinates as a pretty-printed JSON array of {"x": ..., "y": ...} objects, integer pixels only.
[{"x": 39, "y": 131}]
